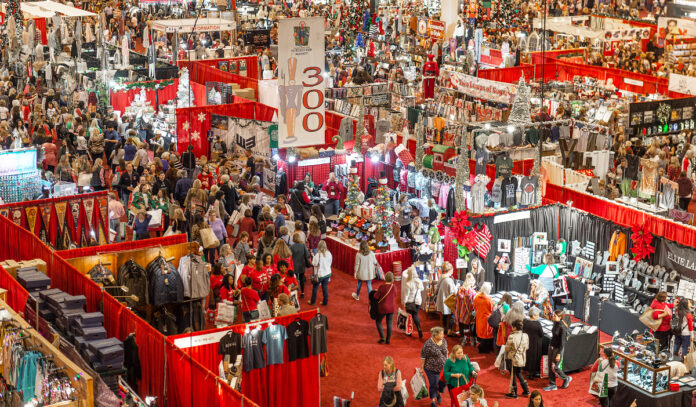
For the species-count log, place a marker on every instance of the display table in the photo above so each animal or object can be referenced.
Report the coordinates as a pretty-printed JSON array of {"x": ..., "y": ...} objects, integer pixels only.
[
  {"x": 344, "y": 256},
  {"x": 508, "y": 282},
  {"x": 625, "y": 395},
  {"x": 613, "y": 318},
  {"x": 582, "y": 351}
]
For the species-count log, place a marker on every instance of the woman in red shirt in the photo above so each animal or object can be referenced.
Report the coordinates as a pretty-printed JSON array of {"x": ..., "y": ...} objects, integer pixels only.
[
  {"x": 227, "y": 288},
  {"x": 206, "y": 177},
  {"x": 249, "y": 301},
  {"x": 288, "y": 275},
  {"x": 215, "y": 285},
  {"x": 662, "y": 309},
  {"x": 276, "y": 288},
  {"x": 386, "y": 296},
  {"x": 281, "y": 252},
  {"x": 261, "y": 277}
]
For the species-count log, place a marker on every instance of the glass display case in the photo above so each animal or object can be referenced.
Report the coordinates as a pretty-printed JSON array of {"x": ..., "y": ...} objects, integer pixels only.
[{"x": 639, "y": 371}]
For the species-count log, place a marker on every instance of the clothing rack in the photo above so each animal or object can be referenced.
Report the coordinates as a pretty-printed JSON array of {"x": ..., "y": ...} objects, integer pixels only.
[{"x": 83, "y": 382}]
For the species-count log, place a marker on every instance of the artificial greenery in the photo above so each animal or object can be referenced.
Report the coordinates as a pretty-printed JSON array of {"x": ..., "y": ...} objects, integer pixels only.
[{"x": 149, "y": 85}]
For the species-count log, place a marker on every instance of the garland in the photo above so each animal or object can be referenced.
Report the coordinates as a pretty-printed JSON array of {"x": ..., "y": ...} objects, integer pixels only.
[
  {"x": 145, "y": 85},
  {"x": 641, "y": 242}
]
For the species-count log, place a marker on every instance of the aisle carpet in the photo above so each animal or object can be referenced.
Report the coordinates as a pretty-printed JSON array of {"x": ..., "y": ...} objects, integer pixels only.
[{"x": 355, "y": 357}]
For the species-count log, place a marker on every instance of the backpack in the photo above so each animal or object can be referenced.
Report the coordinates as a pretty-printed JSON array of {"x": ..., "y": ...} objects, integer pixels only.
[{"x": 676, "y": 325}]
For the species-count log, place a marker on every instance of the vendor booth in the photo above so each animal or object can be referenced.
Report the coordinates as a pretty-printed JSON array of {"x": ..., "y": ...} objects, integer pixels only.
[{"x": 186, "y": 27}]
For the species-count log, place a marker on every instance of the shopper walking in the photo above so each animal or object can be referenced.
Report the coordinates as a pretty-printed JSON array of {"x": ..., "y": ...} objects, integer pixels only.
[
  {"x": 662, "y": 309},
  {"x": 458, "y": 372},
  {"x": 558, "y": 337},
  {"x": 433, "y": 357},
  {"x": 365, "y": 265},
  {"x": 300, "y": 259},
  {"x": 483, "y": 304},
  {"x": 116, "y": 212},
  {"x": 516, "y": 351},
  {"x": 322, "y": 270},
  {"x": 389, "y": 384},
  {"x": 411, "y": 297},
  {"x": 606, "y": 377},
  {"x": 445, "y": 288},
  {"x": 685, "y": 327},
  {"x": 464, "y": 311},
  {"x": 532, "y": 327},
  {"x": 386, "y": 303}
]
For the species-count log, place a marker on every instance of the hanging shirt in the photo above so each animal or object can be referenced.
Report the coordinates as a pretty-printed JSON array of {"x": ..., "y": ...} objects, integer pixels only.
[
  {"x": 318, "y": 327},
  {"x": 298, "y": 333},
  {"x": 528, "y": 187},
  {"x": 481, "y": 161},
  {"x": 230, "y": 345},
  {"x": 253, "y": 350},
  {"x": 478, "y": 193},
  {"x": 503, "y": 166},
  {"x": 274, "y": 338},
  {"x": 497, "y": 192},
  {"x": 509, "y": 187},
  {"x": 382, "y": 127},
  {"x": 632, "y": 169}
]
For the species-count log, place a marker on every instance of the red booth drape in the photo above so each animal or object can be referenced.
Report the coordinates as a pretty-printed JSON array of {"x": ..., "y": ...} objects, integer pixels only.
[
  {"x": 202, "y": 73},
  {"x": 291, "y": 384},
  {"x": 252, "y": 64},
  {"x": 122, "y": 99},
  {"x": 123, "y": 246}
]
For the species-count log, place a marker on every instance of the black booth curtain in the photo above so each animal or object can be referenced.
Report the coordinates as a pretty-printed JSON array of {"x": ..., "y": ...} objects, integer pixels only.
[{"x": 584, "y": 227}]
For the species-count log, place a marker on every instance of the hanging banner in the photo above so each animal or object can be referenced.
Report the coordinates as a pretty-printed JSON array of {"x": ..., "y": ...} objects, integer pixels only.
[
  {"x": 675, "y": 28},
  {"x": 60, "y": 213},
  {"x": 65, "y": 239},
  {"x": 482, "y": 88},
  {"x": 301, "y": 82},
  {"x": 674, "y": 256},
  {"x": 436, "y": 29},
  {"x": 269, "y": 179},
  {"x": 42, "y": 231},
  {"x": 104, "y": 221},
  {"x": 681, "y": 84},
  {"x": 89, "y": 211},
  {"x": 46, "y": 218},
  {"x": 17, "y": 216},
  {"x": 32, "y": 212},
  {"x": 75, "y": 212}
]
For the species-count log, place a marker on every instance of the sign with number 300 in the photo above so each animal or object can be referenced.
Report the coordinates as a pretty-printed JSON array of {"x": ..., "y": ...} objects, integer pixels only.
[{"x": 301, "y": 82}]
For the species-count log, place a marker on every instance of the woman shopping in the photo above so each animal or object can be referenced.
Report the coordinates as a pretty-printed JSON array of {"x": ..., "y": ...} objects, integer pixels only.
[
  {"x": 411, "y": 297},
  {"x": 685, "y": 327},
  {"x": 606, "y": 377},
  {"x": 322, "y": 273},
  {"x": 386, "y": 301},
  {"x": 458, "y": 373},
  {"x": 433, "y": 357},
  {"x": 365, "y": 265},
  {"x": 389, "y": 385},
  {"x": 662, "y": 309}
]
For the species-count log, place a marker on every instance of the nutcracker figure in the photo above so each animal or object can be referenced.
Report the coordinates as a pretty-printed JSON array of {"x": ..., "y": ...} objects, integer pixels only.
[{"x": 430, "y": 72}]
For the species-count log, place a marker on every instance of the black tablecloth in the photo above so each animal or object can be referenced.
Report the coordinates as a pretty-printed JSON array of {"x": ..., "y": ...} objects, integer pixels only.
[
  {"x": 625, "y": 395},
  {"x": 615, "y": 318},
  {"x": 506, "y": 282},
  {"x": 577, "y": 292},
  {"x": 580, "y": 351}
]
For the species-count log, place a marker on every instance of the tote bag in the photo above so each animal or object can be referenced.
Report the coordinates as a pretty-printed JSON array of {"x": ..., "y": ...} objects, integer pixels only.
[
  {"x": 209, "y": 239},
  {"x": 647, "y": 319}
]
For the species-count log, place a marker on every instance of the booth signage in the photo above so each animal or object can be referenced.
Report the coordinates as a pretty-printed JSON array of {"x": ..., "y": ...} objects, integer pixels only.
[
  {"x": 509, "y": 217},
  {"x": 675, "y": 27},
  {"x": 301, "y": 82},
  {"x": 482, "y": 88},
  {"x": 682, "y": 84},
  {"x": 436, "y": 29},
  {"x": 259, "y": 38},
  {"x": 674, "y": 256}
]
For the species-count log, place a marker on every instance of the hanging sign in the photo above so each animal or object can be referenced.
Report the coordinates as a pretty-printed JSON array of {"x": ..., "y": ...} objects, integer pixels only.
[
  {"x": 46, "y": 217},
  {"x": 60, "y": 213},
  {"x": 75, "y": 212},
  {"x": 258, "y": 38},
  {"x": 675, "y": 28},
  {"x": 482, "y": 88},
  {"x": 301, "y": 82},
  {"x": 89, "y": 211},
  {"x": 436, "y": 29},
  {"x": 422, "y": 27},
  {"x": 681, "y": 84},
  {"x": 17, "y": 216},
  {"x": 104, "y": 223},
  {"x": 673, "y": 256}
]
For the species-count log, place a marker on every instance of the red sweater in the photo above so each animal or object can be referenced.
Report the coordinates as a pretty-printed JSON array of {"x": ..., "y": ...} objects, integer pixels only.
[
  {"x": 659, "y": 307},
  {"x": 386, "y": 295},
  {"x": 250, "y": 299},
  {"x": 248, "y": 225},
  {"x": 226, "y": 294}
]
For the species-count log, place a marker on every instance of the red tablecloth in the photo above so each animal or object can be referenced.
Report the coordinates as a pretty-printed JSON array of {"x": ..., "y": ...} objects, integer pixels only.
[{"x": 344, "y": 256}]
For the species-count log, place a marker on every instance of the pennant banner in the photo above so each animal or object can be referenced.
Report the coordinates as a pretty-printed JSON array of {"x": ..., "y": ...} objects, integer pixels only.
[
  {"x": 17, "y": 216},
  {"x": 32, "y": 212},
  {"x": 89, "y": 211},
  {"x": 75, "y": 211},
  {"x": 60, "y": 214},
  {"x": 65, "y": 241},
  {"x": 104, "y": 212},
  {"x": 46, "y": 222}
]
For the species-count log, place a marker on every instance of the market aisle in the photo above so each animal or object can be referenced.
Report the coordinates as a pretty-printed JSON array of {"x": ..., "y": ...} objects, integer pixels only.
[{"x": 355, "y": 357}]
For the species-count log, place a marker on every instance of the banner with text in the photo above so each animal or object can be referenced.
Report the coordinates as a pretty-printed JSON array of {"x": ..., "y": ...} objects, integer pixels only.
[
  {"x": 482, "y": 88},
  {"x": 675, "y": 28},
  {"x": 301, "y": 82},
  {"x": 674, "y": 256},
  {"x": 682, "y": 84}
]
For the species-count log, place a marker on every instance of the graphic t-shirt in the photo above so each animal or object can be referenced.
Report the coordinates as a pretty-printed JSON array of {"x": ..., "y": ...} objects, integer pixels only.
[
  {"x": 253, "y": 350},
  {"x": 381, "y": 128},
  {"x": 509, "y": 187},
  {"x": 318, "y": 327},
  {"x": 497, "y": 192},
  {"x": 230, "y": 345},
  {"x": 503, "y": 166},
  {"x": 528, "y": 187},
  {"x": 274, "y": 337},
  {"x": 298, "y": 334},
  {"x": 481, "y": 161}
]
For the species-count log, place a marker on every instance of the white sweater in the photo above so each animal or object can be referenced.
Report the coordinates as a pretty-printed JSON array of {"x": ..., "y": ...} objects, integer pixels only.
[{"x": 322, "y": 264}]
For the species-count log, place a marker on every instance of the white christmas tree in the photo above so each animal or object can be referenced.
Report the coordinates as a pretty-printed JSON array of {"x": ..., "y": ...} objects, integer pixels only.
[
  {"x": 520, "y": 115},
  {"x": 184, "y": 96}
]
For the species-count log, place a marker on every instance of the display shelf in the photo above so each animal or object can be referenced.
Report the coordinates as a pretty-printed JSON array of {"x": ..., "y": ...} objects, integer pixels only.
[{"x": 637, "y": 373}]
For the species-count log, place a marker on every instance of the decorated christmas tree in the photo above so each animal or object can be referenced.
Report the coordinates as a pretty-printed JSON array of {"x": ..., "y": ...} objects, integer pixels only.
[
  {"x": 353, "y": 191},
  {"x": 521, "y": 115},
  {"x": 384, "y": 213},
  {"x": 12, "y": 9},
  {"x": 463, "y": 171},
  {"x": 183, "y": 96}
]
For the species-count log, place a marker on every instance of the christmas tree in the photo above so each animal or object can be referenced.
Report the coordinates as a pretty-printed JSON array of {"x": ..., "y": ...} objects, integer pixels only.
[
  {"x": 12, "y": 9},
  {"x": 359, "y": 129},
  {"x": 383, "y": 208},
  {"x": 463, "y": 171},
  {"x": 183, "y": 96},
  {"x": 521, "y": 115},
  {"x": 353, "y": 191}
]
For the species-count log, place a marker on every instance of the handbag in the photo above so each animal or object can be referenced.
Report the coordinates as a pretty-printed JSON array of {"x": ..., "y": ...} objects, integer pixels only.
[
  {"x": 495, "y": 317},
  {"x": 690, "y": 359},
  {"x": 209, "y": 239},
  {"x": 451, "y": 301},
  {"x": 647, "y": 319}
]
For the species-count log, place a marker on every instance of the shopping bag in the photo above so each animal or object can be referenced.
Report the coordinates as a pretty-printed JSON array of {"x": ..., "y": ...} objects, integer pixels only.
[
  {"x": 594, "y": 385},
  {"x": 156, "y": 218},
  {"x": 264, "y": 311},
  {"x": 690, "y": 359},
  {"x": 404, "y": 391},
  {"x": 418, "y": 385},
  {"x": 404, "y": 322},
  {"x": 169, "y": 231},
  {"x": 460, "y": 393},
  {"x": 323, "y": 366},
  {"x": 499, "y": 360},
  {"x": 451, "y": 301},
  {"x": 647, "y": 319},
  {"x": 209, "y": 239},
  {"x": 544, "y": 368}
]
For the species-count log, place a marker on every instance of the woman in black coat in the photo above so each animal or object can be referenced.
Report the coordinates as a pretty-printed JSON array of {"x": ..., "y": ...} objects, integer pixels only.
[{"x": 532, "y": 327}]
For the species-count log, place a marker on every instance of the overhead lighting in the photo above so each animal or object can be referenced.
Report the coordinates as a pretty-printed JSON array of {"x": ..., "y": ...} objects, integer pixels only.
[
  {"x": 510, "y": 129},
  {"x": 276, "y": 157},
  {"x": 292, "y": 158},
  {"x": 375, "y": 158},
  {"x": 487, "y": 126}
]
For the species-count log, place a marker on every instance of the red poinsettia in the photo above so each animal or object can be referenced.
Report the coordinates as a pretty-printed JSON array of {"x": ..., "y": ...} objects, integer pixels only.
[
  {"x": 463, "y": 236},
  {"x": 642, "y": 240}
]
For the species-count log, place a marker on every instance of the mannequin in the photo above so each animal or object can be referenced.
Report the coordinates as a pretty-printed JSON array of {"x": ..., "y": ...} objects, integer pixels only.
[{"x": 430, "y": 73}]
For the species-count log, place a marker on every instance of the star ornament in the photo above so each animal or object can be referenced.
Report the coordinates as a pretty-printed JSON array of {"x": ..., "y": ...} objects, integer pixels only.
[
  {"x": 201, "y": 117},
  {"x": 196, "y": 136},
  {"x": 186, "y": 125}
]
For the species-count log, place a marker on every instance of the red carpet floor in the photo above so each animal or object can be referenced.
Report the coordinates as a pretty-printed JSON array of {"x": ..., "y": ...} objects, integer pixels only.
[{"x": 355, "y": 357}]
